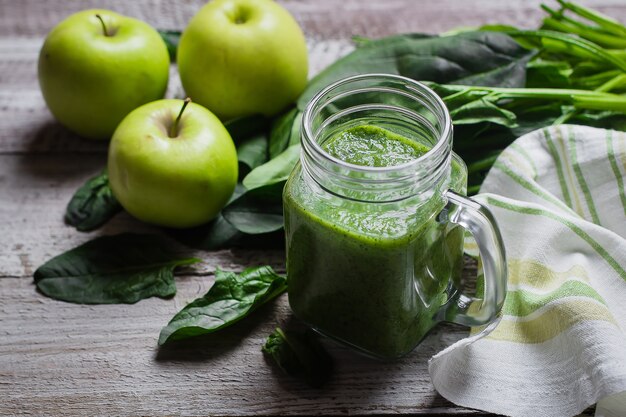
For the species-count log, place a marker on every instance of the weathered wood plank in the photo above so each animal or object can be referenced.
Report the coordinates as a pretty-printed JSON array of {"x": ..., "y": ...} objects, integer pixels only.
[
  {"x": 81, "y": 357},
  {"x": 34, "y": 190},
  {"x": 62, "y": 358},
  {"x": 322, "y": 19},
  {"x": 28, "y": 127}
]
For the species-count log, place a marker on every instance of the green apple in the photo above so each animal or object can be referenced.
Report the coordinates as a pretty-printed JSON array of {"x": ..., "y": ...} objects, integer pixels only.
[
  {"x": 243, "y": 57},
  {"x": 96, "y": 66},
  {"x": 172, "y": 171}
]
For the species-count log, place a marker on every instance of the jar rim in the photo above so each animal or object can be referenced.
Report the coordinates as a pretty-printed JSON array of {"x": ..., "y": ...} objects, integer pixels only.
[{"x": 442, "y": 139}]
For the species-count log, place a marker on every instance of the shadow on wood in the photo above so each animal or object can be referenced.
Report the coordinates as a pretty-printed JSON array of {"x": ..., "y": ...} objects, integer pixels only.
[
  {"x": 81, "y": 158},
  {"x": 52, "y": 137}
]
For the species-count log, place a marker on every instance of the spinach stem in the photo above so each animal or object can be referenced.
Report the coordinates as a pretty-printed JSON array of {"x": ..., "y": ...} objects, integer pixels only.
[
  {"x": 592, "y": 81},
  {"x": 588, "y": 33},
  {"x": 618, "y": 54},
  {"x": 607, "y": 23},
  {"x": 589, "y": 49},
  {"x": 538, "y": 93},
  {"x": 618, "y": 103},
  {"x": 615, "y": 82},
  {"x": 482, "y": 164}
]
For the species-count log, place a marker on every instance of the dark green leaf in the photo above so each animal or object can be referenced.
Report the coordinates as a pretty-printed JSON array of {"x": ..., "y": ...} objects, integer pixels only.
[
  {"x": 231, "y": 298},
  {"x": 92, "y": 205},
  {"x": 250, "y": 134},
  {"x": 171, "y": 39},
  {"x": 282, "y": 128},
  {"x": 274, "y": 171},
  {"x": 524, "y": 42},
  {"x": 294, "y": 139},
  {"x": 605, "y": 120},
  {"x": 251, "y": 153},
  {"x": 300, "y": 355},
  {"x": 475, "y": 142},
  {"x": 112, "y": 269},
  {"x": 257, "y": 211},
  {"x": 482, "y": 110},
  {"x": 542, "y": 73},
  {"x": 245, "y": 127},
  {"x": 219, "y": 234},
  {"x": 473, "y": 58}
]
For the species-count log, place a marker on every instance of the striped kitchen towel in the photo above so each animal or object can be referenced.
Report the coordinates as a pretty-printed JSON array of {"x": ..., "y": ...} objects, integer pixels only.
[{"x": 560, "y": 345}]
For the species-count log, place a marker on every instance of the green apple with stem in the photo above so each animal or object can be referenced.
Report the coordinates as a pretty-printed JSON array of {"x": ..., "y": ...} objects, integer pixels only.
[
  {"x": 172, "y": 163},
  {"x": 243, "y": 57},
  {"x": 96, "y": 66}
]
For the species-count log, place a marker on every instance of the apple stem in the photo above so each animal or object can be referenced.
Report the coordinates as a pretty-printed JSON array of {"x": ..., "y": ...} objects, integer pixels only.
[
  {"x": 174, "y": 129},
  {"x": 104, "y": 27}
]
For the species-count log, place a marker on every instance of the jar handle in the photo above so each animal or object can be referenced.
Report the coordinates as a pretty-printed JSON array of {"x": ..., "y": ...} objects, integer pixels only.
[{"x": 477, "y": 219}]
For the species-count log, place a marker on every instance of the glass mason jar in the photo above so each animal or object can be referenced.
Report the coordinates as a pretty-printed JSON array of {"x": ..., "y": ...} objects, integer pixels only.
[{"x": 375, "y": 254}]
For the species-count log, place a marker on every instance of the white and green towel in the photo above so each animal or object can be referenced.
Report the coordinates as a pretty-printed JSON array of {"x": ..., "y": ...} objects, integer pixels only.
[{"x": 558, "y": 196}]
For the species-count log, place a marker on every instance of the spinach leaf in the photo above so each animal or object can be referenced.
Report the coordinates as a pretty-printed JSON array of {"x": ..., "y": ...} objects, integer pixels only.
[
  {"x": 483, "y": 110},
  {"x": 250, "y": 134},
  {"x": 231, "y": 298},
  {"x": 92, "y": 205},
  {"x": 487, "y": 119},
  {"x": 220, "y": 234},
  {"x": 251, "y": 153},
  {"x": 217, "y": 234},
  {"x": 470, "y": 58},
  {"x": 112, "y": 269},
  {"x": 285, "y": 132},
  {"x": 295, "y": 130},
  {"x": 542, "y": 72},
  {"x": 300, "y": 355},
  {"x": 171, "y": 39},
  {"x": 257, "y": 211},
  {"x": 274, "y": 171},
  {"x": 242, "y": 128}
]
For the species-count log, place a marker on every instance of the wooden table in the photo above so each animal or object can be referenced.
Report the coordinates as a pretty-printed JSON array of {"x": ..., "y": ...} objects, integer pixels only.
[{"x": 58, "y": 358}]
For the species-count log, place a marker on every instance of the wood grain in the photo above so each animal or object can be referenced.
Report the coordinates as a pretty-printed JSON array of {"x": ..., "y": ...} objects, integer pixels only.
[
  {"x": 63, "y": 359},
  {"x": 29, "y": 127},
  {"x": 37, "y": 189},
  {"x": 320, "y": 19},
  {"x": 103, "y": 360}
]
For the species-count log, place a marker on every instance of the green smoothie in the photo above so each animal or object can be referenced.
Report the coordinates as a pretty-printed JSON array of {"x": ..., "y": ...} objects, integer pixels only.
[
  {"x": 373, "y": 146},
  {"x": 373, "y": 275}
]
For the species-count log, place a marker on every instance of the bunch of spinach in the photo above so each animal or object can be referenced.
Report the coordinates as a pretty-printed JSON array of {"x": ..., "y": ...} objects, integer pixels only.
[
  {"x": 498, "y": 83},
  {"x": 578, "y": 76}
]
